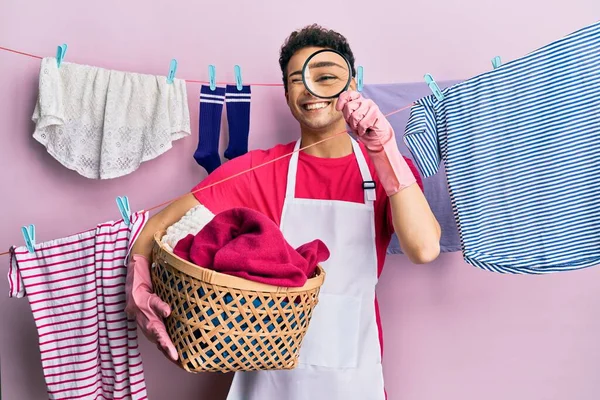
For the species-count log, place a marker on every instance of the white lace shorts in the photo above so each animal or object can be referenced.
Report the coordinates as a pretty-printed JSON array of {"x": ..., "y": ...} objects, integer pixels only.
[{"x": 103, "y": 123}]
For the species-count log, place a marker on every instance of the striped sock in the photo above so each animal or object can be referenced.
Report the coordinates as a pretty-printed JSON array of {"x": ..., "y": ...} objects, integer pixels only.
[
  {"x": 211, "y": 108},
  {"x": 238, "y": 119}
]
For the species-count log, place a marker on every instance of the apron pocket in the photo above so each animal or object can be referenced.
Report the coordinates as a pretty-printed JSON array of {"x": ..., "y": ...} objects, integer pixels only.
[{"x": 332, "y": 337}]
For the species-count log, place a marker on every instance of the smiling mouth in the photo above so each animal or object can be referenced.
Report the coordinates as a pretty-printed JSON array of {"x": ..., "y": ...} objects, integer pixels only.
[{"x": 315, "y": 106}]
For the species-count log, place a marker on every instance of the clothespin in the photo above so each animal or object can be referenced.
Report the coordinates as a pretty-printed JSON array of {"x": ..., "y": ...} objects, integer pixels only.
[
  {"x": 433, "y": 86},
  {"x": 212, "y": 75},
  {"x": 123, "y": 204},
  {"x": 172, "y": 70},
  {"x": 359, "y": 78},
  {"x": 60, "y": 54},
  {"x": 29, "y": 236},
  {"x": 496, "y": 62},
  {"x": 238, "y": 77}
]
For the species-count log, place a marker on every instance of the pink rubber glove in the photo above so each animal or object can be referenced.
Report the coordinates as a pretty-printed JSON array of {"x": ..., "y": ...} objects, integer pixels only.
[
  {"x": 375, "y": 132},
  {"x": 147, "y": 308}
]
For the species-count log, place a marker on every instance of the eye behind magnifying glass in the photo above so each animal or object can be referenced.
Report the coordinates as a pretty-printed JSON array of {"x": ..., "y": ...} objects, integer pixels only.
[{"x": 326, "y": 74}]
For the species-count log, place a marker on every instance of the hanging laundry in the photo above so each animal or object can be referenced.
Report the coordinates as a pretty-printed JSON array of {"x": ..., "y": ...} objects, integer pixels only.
[
  {"x": 191, "y": 223},
  {"x": 76, "y": 290},
  {"x": 522, "y": 156},
  {"x": 238, "y": 120},
  {"x": 102, "y": 123},
  {"x": 246, "y": 243},
  {"x": 209, "y": 127},
  {"x": 388, "y": 97}
]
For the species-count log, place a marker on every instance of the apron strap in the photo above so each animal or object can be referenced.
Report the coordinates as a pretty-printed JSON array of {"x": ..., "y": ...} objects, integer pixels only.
[
  {"x": 290, "y": 191},
  {"x": 368, "y": 183}
]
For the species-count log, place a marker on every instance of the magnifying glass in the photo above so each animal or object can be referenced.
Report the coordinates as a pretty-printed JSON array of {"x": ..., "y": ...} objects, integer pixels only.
[{"x": 326, "y": 74}]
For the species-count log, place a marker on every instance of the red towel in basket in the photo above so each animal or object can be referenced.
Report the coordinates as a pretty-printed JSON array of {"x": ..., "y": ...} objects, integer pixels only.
[{"x": 246, "y": 243}]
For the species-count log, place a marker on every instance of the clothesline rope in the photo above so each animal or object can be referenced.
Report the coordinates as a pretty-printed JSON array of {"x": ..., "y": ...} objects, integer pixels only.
[
  {"x": 20, "y": 52},
  {"x": 239, "y": 173},
  {"x": 186, "y": 80}
]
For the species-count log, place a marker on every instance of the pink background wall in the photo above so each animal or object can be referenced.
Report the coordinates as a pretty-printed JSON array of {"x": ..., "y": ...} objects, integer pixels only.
[{"x": 452, "y": 331}]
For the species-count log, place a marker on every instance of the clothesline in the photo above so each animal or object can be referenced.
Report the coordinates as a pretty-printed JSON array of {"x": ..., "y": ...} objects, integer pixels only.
[
  {"x": 253, "y": 168},
  {"x": 186, "y": 80}
]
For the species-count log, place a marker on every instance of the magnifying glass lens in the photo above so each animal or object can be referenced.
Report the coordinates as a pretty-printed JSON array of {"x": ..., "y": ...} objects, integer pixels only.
[{"x": 326, "y": 74}]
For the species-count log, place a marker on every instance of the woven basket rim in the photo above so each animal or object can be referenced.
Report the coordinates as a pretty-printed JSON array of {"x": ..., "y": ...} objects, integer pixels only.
[{"x": 226, "y": 280}]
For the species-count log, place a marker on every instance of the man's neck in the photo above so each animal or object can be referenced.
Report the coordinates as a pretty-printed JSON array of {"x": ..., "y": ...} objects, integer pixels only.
[{"x": 339, "y": 146}]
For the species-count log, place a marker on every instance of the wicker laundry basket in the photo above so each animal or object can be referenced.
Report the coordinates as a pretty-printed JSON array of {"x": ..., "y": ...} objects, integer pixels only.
[{"x": 223, "y": 323}]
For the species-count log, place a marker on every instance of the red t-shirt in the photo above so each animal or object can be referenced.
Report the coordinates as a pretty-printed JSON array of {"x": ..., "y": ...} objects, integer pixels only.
[{"x": 263, "y": 189}]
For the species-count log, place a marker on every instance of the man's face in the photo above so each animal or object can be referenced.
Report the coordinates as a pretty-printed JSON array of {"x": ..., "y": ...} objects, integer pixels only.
[{"x": 312, "y": 112}]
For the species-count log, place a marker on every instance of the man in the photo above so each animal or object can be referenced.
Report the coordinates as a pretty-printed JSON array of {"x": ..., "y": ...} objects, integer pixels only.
[{"x": 324, "y": 192}]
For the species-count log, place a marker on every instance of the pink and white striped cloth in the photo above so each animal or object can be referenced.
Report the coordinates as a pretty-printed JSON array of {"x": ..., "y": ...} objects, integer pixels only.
[{"x": 76, "y": 289}]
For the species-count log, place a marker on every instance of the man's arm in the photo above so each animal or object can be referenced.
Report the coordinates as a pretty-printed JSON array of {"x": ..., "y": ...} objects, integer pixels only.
[
  {"x": 141, "y": 302},
  {"x": 161, "y": 221},
  {"x": 148, "y": 308},
  {"x": 214, "y": 192},
  {"x": 415, "y": 225}
]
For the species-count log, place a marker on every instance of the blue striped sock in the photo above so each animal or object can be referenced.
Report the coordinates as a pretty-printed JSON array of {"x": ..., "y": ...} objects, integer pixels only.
[
  {"x": 238, "y": 119},
  {"x": 211, "y": 108}
]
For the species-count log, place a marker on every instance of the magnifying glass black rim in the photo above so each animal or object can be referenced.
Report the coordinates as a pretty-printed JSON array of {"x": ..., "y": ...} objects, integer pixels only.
[{"x": 311, "y": 57}]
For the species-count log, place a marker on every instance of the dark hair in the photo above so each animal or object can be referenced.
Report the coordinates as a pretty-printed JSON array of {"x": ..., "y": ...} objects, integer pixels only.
[{"x": 317, "y": 36}]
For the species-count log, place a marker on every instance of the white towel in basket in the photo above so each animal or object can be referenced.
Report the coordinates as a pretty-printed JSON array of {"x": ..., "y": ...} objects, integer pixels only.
[{"x": 194, "y": 220}]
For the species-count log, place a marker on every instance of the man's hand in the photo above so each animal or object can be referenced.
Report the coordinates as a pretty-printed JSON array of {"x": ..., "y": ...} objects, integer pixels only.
[
  {"x": 414, "y": 223},
  {"x": 148, "y": 309},
  {"x": 375, "y": 132},
  {"x": 366, "y": 120},
  {"x": 146, "y": 306}
]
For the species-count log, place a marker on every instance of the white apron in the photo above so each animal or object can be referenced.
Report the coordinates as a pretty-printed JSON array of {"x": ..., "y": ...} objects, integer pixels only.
[{"x": 340, "y": 357}]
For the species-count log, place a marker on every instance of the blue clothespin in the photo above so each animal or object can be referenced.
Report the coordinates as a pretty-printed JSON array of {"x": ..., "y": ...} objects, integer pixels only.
[
  {"x": 496, "y": 62},
  {"x": 60, "y": 54},
  {"x": 212, "y": 75},
  {"x": 359, "y": 78},
  {"x": 29, "y": 236},
  {"x": 123, "y": 204},
  {"x": 172, "y": 70},
  {"x": 433, "y": 86},
  {"x": 238, "y": 77}
]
